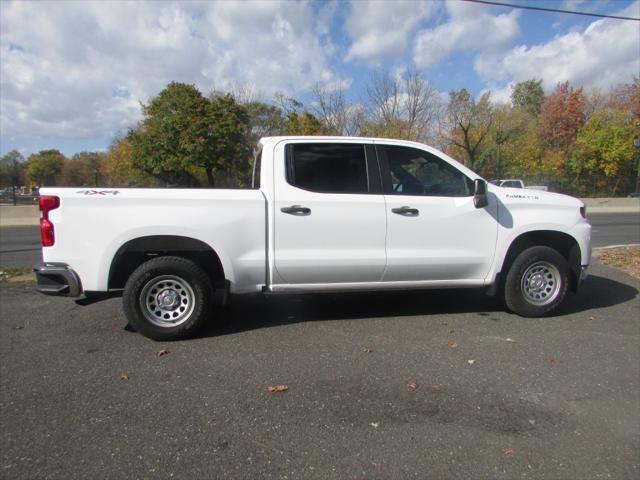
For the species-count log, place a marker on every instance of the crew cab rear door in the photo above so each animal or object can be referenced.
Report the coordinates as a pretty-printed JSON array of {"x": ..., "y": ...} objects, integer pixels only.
[
  {"x": 434, "y": 231},
  {"x": 329, "y": 213}
]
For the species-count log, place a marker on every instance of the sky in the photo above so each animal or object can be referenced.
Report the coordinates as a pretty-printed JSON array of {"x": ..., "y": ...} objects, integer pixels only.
[{"x": 73, "y": 74}]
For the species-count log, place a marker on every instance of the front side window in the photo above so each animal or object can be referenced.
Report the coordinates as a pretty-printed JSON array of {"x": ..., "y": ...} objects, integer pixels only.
[
  {"x": 327, "y": 167},
  {"x": 417, "y": 172}
]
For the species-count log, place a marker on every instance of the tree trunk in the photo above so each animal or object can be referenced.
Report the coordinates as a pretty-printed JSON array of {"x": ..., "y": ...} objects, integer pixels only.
[{"x": 210, "y": 178}]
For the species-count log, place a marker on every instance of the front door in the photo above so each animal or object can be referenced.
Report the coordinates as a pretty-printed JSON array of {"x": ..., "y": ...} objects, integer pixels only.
[{"x": 434, "y": 231}]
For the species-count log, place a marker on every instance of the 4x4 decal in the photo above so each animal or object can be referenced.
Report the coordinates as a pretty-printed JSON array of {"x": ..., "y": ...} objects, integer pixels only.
[{"x": 98, "y": 192}]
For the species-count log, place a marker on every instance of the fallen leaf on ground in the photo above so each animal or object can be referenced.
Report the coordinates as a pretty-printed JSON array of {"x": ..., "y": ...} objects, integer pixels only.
[
  {"x": 508, "y": 451},
  {"x": 453, "y": 345},
  {"x": 471, "y": 362},
  {"x": 626, "y": 258},
  {"x": 277, "y": 388},
  {"x": 436, "y": 386},
  {"x": 452, "y": 331},
  {"x": 551, "y": 360},
  {"x": 124, "y": 376},
  {"x": 18, "y": 327},
  {"x": 412, "y": 386},
  {"x": 509, "y": 339},
  {"x": 367, "y": 350},
  {"x": 591, "y": 318},
  {"x": 162, "y": 352},
  {"x": 375, "y": 424}
]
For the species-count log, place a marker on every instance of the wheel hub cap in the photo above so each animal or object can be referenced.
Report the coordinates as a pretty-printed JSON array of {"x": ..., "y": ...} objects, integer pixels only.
[
  {"x": 167, "y": 300},
  {"x": 541, "y": 283},
  {"x": 537, "y": 283}
]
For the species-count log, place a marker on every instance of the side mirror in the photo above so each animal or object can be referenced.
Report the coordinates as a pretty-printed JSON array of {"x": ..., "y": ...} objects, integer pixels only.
[{"x": 480, "y": 199}]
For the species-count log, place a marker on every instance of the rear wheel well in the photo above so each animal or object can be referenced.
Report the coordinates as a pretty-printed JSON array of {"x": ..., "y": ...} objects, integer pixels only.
[
  {"x": 137, "y": 251},
  {"x": 563, "y": 243}
]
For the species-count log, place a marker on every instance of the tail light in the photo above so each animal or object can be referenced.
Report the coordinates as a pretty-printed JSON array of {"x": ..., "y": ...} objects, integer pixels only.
[{"x": 47, "y": 203}]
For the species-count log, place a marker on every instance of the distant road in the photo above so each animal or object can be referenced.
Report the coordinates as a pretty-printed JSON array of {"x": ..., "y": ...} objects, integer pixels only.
[
  {"x": 20, "y": 246},
  {"x": 614, "y": 228}
]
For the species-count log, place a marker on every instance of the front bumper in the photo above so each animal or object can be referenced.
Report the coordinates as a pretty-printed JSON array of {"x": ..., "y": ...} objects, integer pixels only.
[{"x": 57, "y": 279}]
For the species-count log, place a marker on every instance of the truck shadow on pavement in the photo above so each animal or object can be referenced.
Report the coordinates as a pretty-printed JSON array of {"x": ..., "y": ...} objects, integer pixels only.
[{"x": 255, "y": 312}]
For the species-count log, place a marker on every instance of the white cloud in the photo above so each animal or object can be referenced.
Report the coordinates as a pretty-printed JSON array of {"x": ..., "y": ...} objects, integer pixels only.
[
  {"x": 469, "y": 27},
  {"x": 79, "y": 69},
  {"x": 382, "y": 29},
  {"x": 605, "y": 53}
]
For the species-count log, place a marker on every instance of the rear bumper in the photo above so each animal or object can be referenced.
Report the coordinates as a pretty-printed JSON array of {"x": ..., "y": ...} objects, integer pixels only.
[{"x": 57, "y": 279}]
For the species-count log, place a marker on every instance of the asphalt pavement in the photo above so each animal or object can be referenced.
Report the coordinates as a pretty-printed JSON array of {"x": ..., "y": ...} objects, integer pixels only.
[
  {"x": 388, "y": 385},
  {"x": 20, "y": 246},
  {"x": 614, "y": 229}
]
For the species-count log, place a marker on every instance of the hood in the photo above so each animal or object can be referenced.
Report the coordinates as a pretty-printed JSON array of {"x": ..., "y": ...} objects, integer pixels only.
[{"x": 524, "y": 197}]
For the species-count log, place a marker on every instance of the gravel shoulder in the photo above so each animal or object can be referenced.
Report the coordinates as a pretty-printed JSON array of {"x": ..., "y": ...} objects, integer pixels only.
[{"x": 624, "y": 258}]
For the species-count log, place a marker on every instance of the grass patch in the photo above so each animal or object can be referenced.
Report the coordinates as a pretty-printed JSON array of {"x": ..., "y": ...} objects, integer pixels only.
[{"x": 625, "y": 258}]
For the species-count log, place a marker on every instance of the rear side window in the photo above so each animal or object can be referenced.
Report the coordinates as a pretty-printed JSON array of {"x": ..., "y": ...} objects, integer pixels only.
[{"x": 327, "y": 167}]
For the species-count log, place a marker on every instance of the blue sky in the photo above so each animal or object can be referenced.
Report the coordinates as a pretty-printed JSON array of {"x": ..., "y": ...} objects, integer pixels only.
[{"x": 73, "y": 74}]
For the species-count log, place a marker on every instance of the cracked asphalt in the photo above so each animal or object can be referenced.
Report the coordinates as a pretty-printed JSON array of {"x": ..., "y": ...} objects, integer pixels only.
[{"x": 497, "y": 396}]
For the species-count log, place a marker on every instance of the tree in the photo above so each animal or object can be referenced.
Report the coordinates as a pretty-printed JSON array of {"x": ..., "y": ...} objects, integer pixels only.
[
  {"x": 528, "y": 96},
  {"x": 404, "y": 106},
  {"x": 299, "y": 120},
  {"x": 83, "y": 169},
  {"x": 174, "y": 135},
  {"x": 467, "y": 124},
  {"x": 264, "y": 120},
  {"x": 226, "y": 143},
  {"x": 304, "y": 123},
  {"x": 118, "y": 168},
  {"x": 604, "y": 145},
  {"x": 12, "y": 171},
  {"x": 44, "y": 166},
  {"x": 333, "y": 109},
  {"x": 562, "y": 116},
  {"x": 508, "y": 124}
]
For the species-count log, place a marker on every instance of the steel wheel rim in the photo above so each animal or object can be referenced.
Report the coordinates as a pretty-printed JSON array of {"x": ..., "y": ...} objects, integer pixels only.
[
  {"x": 167, "y": 301},
  {"x": 541, "y": 283}
]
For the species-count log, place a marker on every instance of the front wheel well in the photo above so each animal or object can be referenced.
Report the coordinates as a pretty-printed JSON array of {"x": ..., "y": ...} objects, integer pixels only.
[
  {"x": 563, "y": 243},
  {"x": 137, "y": 251}
]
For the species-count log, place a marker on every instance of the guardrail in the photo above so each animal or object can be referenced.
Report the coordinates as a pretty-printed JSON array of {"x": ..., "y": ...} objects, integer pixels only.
[{"x": 19, "y": 199}]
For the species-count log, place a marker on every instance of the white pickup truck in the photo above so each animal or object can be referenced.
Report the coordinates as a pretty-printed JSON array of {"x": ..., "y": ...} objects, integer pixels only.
[
  {"x": 517, "y": 183},
  {"x": 324, "y": 214}
]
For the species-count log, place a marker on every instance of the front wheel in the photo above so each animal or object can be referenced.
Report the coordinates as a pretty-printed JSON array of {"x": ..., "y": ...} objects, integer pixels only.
[
  {"x": 537, "y": 282},
  {"x": 167, "y": 298}
]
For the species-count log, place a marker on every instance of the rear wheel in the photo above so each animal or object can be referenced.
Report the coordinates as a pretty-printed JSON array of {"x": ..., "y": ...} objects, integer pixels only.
[
  {"x": 537, "y": 282},
  {"x": 167, "y": 298}
]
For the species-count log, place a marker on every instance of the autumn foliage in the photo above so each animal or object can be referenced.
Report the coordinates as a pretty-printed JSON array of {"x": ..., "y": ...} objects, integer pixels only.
[{"x": 575, "y": 140}]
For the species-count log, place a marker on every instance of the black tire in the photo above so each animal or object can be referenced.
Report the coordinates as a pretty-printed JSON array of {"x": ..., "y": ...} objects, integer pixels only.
[
  {"x": 183, "y": 289},
  {"x": 537, "y": 282}
]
